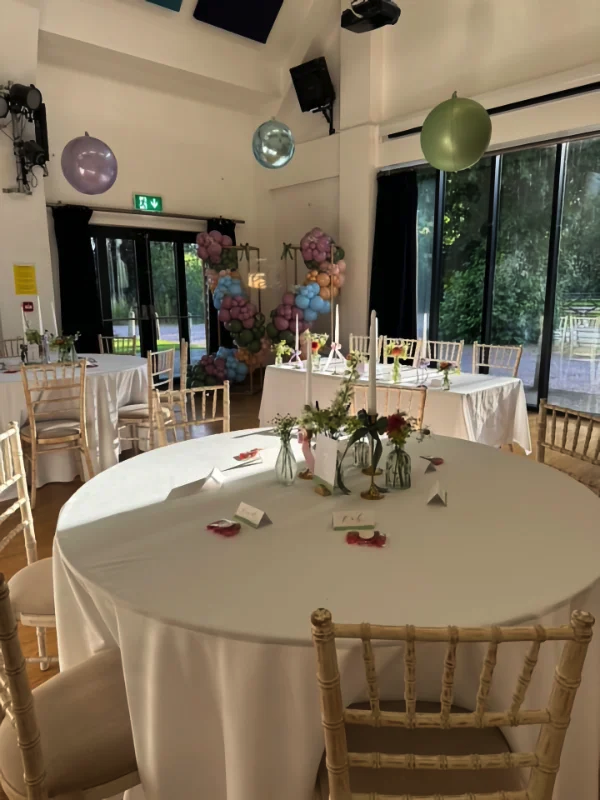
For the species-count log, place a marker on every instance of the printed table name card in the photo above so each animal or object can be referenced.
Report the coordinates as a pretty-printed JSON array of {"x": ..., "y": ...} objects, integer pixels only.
[
  {"x": 438, "y": 496},
  {"x": 251, "y": 516},
  {"x": 326, "y": 454},
  {"x": 214, "y": 480},
  {"x": 353, "y": 521}
]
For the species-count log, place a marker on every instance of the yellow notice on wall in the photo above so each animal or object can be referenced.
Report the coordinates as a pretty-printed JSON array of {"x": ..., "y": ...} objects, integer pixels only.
[{"x": 25, "y": 280}]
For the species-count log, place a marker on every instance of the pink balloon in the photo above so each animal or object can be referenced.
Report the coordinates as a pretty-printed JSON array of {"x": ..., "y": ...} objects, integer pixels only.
[
  {"x": 220, "y": 362},
  {"x": 215, "y": 259},
  {"x": 249, "y": 323},
  {"x": 224, "y": 315},
  {"x": 288, "y": 312},
  {"x": 281, "y": 309},
  {"x": 288, "y": 299},
  {"x": 226, "y": 241},
  {"x": 342, "y": 266},
  {"x": 303, "y": 326},
  {"x": 297, "y": 312},
  {"x": 316, "y": 232},
  {"x": 227, "y": 302},
  {"x": 323, "y": 245},
  {"x": 215, "y": 249},
  {"x": 281, "y": 324},
  {"x": 235, "y": 313},
  {"x": 342, "y": 280},
  {"x": 217, "y": 236},
  {"x": 210, "y": 370},
  {"x": 335, "y": 270},
  {"x": 251, "y": 309},
  {"x": 320, "y": 257},
  {"x": 202, "y": 252}
]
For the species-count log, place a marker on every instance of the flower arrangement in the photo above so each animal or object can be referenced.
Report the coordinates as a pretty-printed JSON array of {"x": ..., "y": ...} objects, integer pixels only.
[
  {"x": 400, "y": 428},
  {"x": 286, "y": 467},
  {"x": 65, "y": 345},
  {"x": 33, "y": 336},
  {"x": 448, "y": 368},
  {"x": 281, "y": 349},
  {"x": 283, "y": 425},
  {"x": 334, "y": 421},
  {"x": 396, "y": 351}
]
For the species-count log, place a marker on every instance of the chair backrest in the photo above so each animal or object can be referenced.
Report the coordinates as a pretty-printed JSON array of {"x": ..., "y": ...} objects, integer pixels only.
[
  {"x": 16, "y": 699},
  {"x": 55, "y": 391},
  {"x": 499, "y": 356},
  {"x": 584, "y": 338},
  {"x": 570, "y": 433},
  {"x": 189, "y": 408},
  {"x": 183, "y": 364},
  {"x": 118, "y": 345},
  {"x": 409, "y": 400},
  {"x": 11, "y": 348},
  {"x": 360, "y": 344},
  {"x": 553, "y": 720},
  {"x": 161, "y": 369},
  {"x": 444, "y": 351},
  {"x": 12, "y": 473},
  {"x": 413, "y": 346}
]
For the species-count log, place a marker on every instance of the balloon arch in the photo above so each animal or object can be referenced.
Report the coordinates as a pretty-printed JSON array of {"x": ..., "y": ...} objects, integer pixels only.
[{"x": 252, "y": 334}]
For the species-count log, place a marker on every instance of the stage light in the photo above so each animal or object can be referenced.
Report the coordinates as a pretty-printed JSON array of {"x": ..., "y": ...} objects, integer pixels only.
[
  {"x": 368, "y": 15},
  {"x": 26, "y": 97},
  {"x": 33, "y": 154},
  {"x": 4, "y": 109}
]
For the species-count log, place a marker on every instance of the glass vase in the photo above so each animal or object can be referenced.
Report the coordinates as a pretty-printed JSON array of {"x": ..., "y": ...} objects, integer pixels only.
[
  {"x": 362, "y": 454},
  {"x": 396, "y": 371},
  {"x": 316, "y": 360},
  {"x": 446, "y": 382},
  {"x": 397, "y": 469},
  {"x": 67, "y": 354},
  {"x": 278, "y": 361},
  {"x": 286, "y": 467}
]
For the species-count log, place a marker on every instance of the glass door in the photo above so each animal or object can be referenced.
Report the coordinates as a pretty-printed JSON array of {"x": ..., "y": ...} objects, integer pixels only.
[{"x": 151, "y": 284}]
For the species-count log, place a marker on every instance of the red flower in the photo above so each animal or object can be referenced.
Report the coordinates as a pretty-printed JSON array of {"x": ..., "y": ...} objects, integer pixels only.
[
  {"x": 315, "y": 347},
  {"x": 395, "y": 424},
  {"x": 397, "y": 351},
  {"x": 444, "y": 365}
]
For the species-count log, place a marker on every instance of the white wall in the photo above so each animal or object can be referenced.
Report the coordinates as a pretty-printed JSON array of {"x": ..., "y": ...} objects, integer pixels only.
[
  {"x": 474, "y": 46},
  {"x": 197, "y": 157},
  {"x": 23, "y": 228}
]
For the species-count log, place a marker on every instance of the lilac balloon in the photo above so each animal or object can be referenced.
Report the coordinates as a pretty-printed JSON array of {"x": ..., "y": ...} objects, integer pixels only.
[
  {"x": 89, "y": 165},
  {"x": 281, "y": 324}
]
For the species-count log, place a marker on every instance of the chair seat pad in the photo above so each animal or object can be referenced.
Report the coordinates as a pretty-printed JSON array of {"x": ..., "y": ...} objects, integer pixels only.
[
  {"x": 85, "y": 730},
  {"x": 53, "y": 429},
  {"x": 32, "y": 589},
  {"x": 425, "y": 741},
  {"x": 139, "y": 411}
]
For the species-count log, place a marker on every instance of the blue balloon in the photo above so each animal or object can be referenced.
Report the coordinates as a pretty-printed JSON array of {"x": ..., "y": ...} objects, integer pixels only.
[
  {"x": 326, "y": 307},
  {"x": 273, "y": 145},
  {"x": 309, "y": 315},
  {"x": 302, "y": 301},
  {"x": 317, "y": 304},
  {"x": 236, "y": 290}
]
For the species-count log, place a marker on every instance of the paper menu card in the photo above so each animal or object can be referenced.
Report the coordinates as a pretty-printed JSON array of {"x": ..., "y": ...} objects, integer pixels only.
[
  {"x": 438, "y": 495},
  {"x": 353, "y": 521},
  {"x": 326, "y": 453}
]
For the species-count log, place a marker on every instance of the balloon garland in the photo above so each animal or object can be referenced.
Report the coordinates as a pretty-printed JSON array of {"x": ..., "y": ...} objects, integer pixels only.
[{"x": 250, "y": 332}]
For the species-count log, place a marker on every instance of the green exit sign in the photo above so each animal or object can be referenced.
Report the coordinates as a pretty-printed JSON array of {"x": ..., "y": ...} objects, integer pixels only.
[{"x": 148, "y": 202}]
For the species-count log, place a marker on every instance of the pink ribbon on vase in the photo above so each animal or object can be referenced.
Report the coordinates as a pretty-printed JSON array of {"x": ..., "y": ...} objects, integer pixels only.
[{"x": 307, "y": 452}]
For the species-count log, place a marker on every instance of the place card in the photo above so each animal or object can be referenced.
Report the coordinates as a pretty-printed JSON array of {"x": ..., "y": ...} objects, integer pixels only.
[
  {"x": 33, "y": 353},
  {"x": 438, "y": 496},
  {"x": 251, "y": 516},
  {"x": 353, "y": 521},
  {"x": 213, "y": 481},
  {"x": 326, "y": 453}
]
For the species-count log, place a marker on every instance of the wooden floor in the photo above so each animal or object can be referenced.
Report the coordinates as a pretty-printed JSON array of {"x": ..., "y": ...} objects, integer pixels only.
[{"x": 244, "y": 414}]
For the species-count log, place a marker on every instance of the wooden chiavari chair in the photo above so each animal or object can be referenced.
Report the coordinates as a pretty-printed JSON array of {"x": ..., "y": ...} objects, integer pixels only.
[
  {"x": 11, "y": 348},
  {"x": 139, "y": 418},
  {"x": 569, "y": 433},
  {"x": 31, "y": 587},
  {"x": 118, "y": 345},
  {"x": 55, "y": 397},
  {"x": 70, "y": 737},
  {"x": 197, "y": 408},
  {"x": 475, "y": 762},
  {"x": 436, "y": 352},
  {"x": 413, "y": 347},
  {"x": 498, "y": 356},
  {"x": 360, "y": 344},
  {"x": 391, "y": 399}
]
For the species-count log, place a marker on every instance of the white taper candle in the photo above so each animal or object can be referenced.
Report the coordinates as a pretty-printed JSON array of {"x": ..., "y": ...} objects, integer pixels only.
[
  {"x": 425, "y": 335},
  {"x": 24, "y": 322},
  {"x": 297, "y": 348},
  {"x": 54, "y": 318},
  {"x": 308, "y": 395},
  {"x": 40, "y": 323},
  {"x": 337, "y": 324},
  {"x": 373, "y": 365}
]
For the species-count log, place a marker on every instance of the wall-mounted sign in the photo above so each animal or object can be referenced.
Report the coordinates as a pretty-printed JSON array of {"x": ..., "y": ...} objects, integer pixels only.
[
  {"x": 27, "y": 306},
  {"x": 25, "y": 280},
  {"x": 148, "y": 202}
]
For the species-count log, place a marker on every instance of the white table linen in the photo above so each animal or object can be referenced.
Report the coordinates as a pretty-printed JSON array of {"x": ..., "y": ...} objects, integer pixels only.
[
  {"x": 488, "y": 409},
  {"x": 215, "y": 632},
  {"x": 115, "y": 382}
]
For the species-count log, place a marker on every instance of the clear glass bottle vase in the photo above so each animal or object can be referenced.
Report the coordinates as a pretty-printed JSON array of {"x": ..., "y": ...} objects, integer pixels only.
[
  {"x": 397, "y": 469},
  {"x": 286, "y": 467}
]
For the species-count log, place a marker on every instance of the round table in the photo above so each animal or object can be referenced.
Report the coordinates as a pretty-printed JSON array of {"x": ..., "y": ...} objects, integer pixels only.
[
  {"x": 218, "y": 630},
  {"x": 115, "y": 381}
]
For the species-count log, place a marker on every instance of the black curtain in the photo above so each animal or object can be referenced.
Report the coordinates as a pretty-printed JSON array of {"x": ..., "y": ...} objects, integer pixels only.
[
  {"x": 227, "y": 228},
  {"x": 394, "y": 273},
  {"x": 79, "y": 295}
]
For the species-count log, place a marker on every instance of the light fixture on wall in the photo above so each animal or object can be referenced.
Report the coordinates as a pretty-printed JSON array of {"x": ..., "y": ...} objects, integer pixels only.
[
  {"x": 368, "y": 15},
  {"x": 26, "y": 107}
]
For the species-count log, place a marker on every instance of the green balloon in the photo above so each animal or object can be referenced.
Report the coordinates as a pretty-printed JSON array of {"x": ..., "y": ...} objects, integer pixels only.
[
  {"x": 245, "y": 338},
  {"x": 272, "y": 331},
  {"x": 260, "y": 318},
  {"x": 456, "y": 134},
  {"x": 254, "y": 347},
  {"x": 288, "y": 337},
  {"x": 235, "y": 326},
  {"x": 338, "y": 254}
]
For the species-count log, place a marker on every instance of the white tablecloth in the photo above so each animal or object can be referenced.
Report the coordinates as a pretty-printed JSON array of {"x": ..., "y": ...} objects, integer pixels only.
[
  {"x": 115, "y": 382},
  {"x": 481, "y": 408},
  {"x": 215, "y": 632}
]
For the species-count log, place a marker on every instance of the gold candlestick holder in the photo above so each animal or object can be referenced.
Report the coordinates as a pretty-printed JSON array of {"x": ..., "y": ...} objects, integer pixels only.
[{"x": 373, "y": 492}]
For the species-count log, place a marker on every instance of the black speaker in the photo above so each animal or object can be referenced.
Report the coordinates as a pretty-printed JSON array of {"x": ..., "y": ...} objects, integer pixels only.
[{"x": 313, "y": 85}]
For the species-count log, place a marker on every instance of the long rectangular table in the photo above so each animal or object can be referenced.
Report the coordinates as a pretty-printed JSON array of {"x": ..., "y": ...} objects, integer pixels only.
[{"x": 489, "y": 409}]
